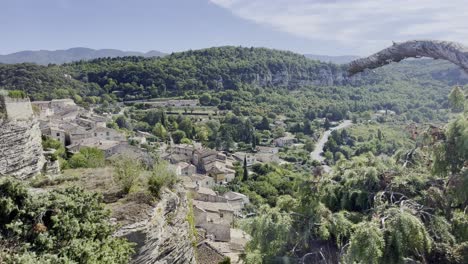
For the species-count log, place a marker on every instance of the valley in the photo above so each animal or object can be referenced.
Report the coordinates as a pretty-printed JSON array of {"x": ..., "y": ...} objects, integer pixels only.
[{"x": 233, "y": 155}]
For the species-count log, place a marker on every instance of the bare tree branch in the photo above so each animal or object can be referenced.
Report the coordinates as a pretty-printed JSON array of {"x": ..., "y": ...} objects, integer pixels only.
[{"x": 446, "y": 50}]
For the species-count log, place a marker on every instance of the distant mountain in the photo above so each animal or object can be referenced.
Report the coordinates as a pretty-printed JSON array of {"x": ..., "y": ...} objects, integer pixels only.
[
  {"x": 333, "y": 59},
  {"x": 45, "y": 57}
]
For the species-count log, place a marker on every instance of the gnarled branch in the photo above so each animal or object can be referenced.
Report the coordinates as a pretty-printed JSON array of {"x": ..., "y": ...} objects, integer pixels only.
[{"x": 446, "y": 50}]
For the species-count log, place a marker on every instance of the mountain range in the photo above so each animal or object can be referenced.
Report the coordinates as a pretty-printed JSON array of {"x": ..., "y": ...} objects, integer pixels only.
[{"x": 44, "y": 57}]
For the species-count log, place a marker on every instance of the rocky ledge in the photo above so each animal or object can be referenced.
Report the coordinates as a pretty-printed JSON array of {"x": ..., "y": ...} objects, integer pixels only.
[
  {"x": 21, "y": 153},
  {"x": 164, "y": 237}
]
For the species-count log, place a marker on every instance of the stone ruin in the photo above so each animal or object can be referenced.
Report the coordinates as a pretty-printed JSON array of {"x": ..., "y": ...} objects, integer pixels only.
[{"x": 21, "y": 154}]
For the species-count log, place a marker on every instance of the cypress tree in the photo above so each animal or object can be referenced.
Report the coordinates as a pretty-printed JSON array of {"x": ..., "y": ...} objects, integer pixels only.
[{"x": 246, "y": 172}]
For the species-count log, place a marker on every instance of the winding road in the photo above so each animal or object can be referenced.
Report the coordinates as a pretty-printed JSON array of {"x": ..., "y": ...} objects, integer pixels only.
[{"x": 317, "y": 153}]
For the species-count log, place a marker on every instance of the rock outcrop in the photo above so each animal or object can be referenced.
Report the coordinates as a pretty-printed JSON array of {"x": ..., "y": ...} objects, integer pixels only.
[
  {"x": 164, "y": 237},
  {"x": 21, "y": 153},
  {"x": 445, "y": 50},
  {"x": 20, "y": 148}
]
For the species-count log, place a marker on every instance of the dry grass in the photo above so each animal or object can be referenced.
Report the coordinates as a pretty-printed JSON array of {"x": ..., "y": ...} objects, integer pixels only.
[{"x": 127, "y": 209}]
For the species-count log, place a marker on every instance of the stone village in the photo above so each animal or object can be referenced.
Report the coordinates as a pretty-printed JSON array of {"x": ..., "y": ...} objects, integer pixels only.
[{"x": 200, "y": 168}]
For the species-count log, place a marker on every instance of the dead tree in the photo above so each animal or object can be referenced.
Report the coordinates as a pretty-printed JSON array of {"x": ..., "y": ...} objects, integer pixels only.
[{"x": 446, "y": 50}]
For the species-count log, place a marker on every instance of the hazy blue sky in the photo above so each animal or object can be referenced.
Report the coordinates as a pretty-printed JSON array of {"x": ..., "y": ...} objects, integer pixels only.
[{"x": 333, "y": 27}]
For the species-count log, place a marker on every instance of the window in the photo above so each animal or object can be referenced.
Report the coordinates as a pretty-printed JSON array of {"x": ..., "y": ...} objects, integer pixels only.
[
  {"x": 95, "y": 134},
  {"x": 107, "y": 134},
  {"x": 58, "y": 134},
  {"x": 221, "y": 215}
]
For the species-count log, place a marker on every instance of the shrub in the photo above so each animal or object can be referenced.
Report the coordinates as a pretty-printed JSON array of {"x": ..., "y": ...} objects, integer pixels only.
[
  {"x": 87, "y": 158},
  {"x": 126, "y": 171},
  {"x": 161, "y": 177},
  {"x": 61, "y": 226}
]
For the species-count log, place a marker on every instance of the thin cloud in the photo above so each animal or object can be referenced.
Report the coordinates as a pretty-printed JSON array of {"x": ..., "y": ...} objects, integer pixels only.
[{"x": 364, "y": 25}]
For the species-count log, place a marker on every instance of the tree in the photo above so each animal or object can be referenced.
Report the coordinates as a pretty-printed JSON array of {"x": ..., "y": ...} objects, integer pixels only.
[
  {"x": 246, "y": 172},
  {"x": 161, "y": 176},
  {"x": 205, "y": 99},
  {"x": 87, "y": 158},
  {"x": 457, "y": 99},
  {"x": 270, "y": 231},
  {"x": 309, "y": 145},
  {"x": 264, "y": 124},
  {"x": 405, "y": 235},
  {"x": 122, "y": 122},
  {"x": 379, "y": 134},
  {"x": 186, "y": 126},
  {"x": 366, "y": 244},
  {"x": 126, "y": 171},
  {"x": 327, "y": 124},
  {"x": 160, "y": 131},
  {"x": 178, "y": 135},
  {"x": 59, "y": 226}
]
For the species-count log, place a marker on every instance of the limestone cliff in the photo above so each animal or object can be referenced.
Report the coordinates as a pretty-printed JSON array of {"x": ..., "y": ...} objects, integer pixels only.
[
  {"x": 20, "y": 148},
  {"x": 164, "y": 237}
]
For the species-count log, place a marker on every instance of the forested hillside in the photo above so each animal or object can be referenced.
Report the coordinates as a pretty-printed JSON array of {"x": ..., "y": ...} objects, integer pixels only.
[{"x": 242, "y": 78}]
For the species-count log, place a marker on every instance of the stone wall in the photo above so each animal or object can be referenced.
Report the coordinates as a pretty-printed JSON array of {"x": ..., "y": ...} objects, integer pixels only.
[
  {"x": 17, "y": 109},
  {"x": 21, "y": 153}
]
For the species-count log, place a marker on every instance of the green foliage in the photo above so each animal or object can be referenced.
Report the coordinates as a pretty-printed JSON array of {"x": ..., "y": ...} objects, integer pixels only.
[
  {"x": 162, "y": 176},
  {"x": 450, "y": 156},
  {"x": 178, "y": 135},
  {"x": 61, "y": 226},
  {"x": 87, "y": 158},
  {"x": 126, "y": 171},
  {"x": 366, "y": 244},
  {"x": 457, "y": 99},
  {"x": 406, "y": 236},
  {"x": 160, "y": 131},
  {"x": 17, "y": 94},
  {"x": 460, "y": 226},
  {"x": 270, "y": 232}
]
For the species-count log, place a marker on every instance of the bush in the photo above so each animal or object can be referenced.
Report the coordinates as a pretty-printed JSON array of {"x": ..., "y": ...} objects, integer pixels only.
[
  {"x": 87, "y": 158},
  {"x": 126, "y": 172},
  {"x": 61, "y": 226},
  {"x": 161, "y": 177}
]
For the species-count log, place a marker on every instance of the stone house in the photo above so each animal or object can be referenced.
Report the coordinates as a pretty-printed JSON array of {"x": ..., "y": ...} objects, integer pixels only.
[
  {"x": 207, "y": 254},
  {"x": 219, "y": 171},
  {"x": 268, "y": 150},
  {"x": 183, "y": 149},
  {"x": 236, "y": 200},
  {"x": 251, "y": 159},
  {"x": 105, "y": 133},
  {"x": 55, "y": 133},
  {"x": 202, "y": 156},
  {"x": 203, "y": 180},
  {"x": 216, "y": 212},
  {"x": 285, "y": 141},
  {"x": 217, "y": 232},
  {"x": 185, "y": 169},
  {"x": 45, "y": 110},
  {"x": 109, "y": 147}
]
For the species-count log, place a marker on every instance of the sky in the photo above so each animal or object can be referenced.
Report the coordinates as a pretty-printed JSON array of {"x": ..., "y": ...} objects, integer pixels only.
[{"x": 326, "y": 27}]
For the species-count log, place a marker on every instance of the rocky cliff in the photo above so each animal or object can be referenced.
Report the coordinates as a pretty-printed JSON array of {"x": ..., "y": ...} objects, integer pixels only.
[
  {"x": 164, "y": 237},
  {"x": 20, "y": 148}
]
